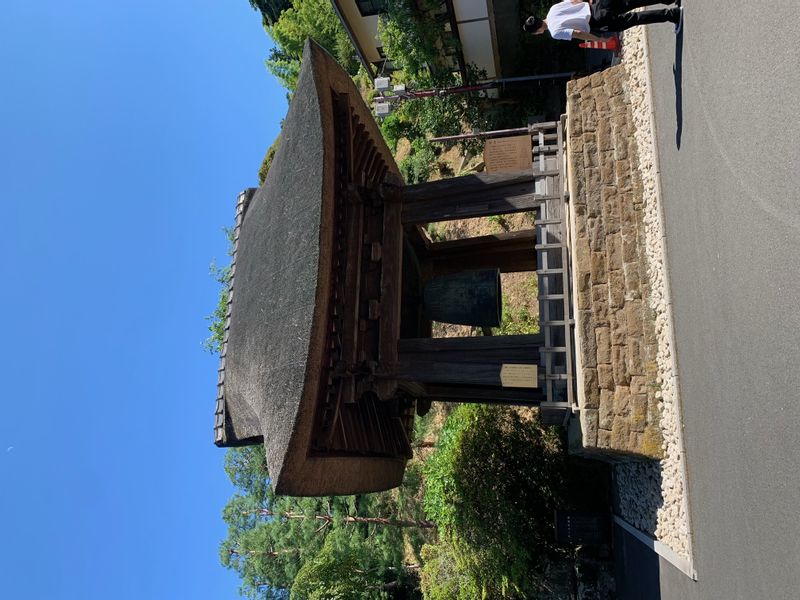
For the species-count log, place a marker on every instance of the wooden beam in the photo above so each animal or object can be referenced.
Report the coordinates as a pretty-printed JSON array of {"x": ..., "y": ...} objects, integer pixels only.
[
  {"x": 354, "y": 222},
  {"x": 510, "y": 252},
  {"x": 391, "y": 277},
  {"x": 473, "y": 373},
  {"x": 470, "y": 394},
  {"x": 521, "y": 349}
]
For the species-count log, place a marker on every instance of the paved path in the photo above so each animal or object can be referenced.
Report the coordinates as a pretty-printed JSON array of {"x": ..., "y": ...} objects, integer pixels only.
[{"x": 728, "y": 130}]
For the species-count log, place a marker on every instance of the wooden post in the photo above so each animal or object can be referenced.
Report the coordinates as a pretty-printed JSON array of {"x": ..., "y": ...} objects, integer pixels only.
[{"x": 505, "y": 366}]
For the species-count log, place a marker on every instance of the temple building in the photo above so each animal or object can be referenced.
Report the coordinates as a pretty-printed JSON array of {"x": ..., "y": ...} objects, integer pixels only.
[{"x": 328, "y": 354}]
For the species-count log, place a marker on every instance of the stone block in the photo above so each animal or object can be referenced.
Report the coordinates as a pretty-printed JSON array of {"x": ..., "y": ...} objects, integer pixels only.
[
  {"x": 607, "y": 171},
  {"x": 576, "y": 144},
  {"x": 604, "y": 137},
  {"x": 650, "y": 339},
  {"x": 584, "y": 294},
  {"x": 616, "y": 289},
  {"x": 619, "y": 114},
  {"x": 622, "y": 400},
  {"x": 619, "y": 434},
  {"x": 619, "y": 117},
  {"x": 611, "y": 210},
  {"x": 592, "y": 177},
  {"x": 586, "y": 341},
  {"x": 601, "y": 105},
  {"x": 603, "y": 340},
  {"x": 633, "y": 157},
  {"x": 587, "y": 96},
  {"x": 596, "y": 80},
  {"x": 600, "y": 304},
  {"x": 581, "y": 84},
  {"x": 622, "y": 172},
  {"x": 590, "y": 422},
  {"x": 651, "y": 371},
  {"x": 598, "y": 268},
  {"x": 591, "y": 393},
  {"x": 603, "y": 438},
  {"x": 638, "y": 417},
  {"x": 633, "y": 288},
  {"x": 634, "y": 356},
  {"x": 605, "y": 377},
  {"x": 588, "y": 114},
  {"x": 594, "y": 205},
  {"x": 619, "y": 365},
  {"x": 622, "y": 130},
  {"x": 653, "y": 416},
  {"x": 617, "y": 324},
  {"x": 596, "y": 232},
  {"x": 630, "y": 214},
  {"x": 630, "y": 242},
  {"x": 600, "y": 292},
  {"x": 638, "y": 385},
  {"x": 635, "y": 442},
  {"x": 589, "y": 150},
  {"x": 620, "y": 144},
  {"x": 608, "y": 196},
  {"x": 633, "y": 317},
  {"x": 579, "y": 209},
  {"x": 606, "y": 411},
  {"x": 613, "y": 252},
  {"x": 582, "y": 255},
  {"x": 651, "y": 443},
  {"x": 613, "y": 81}
]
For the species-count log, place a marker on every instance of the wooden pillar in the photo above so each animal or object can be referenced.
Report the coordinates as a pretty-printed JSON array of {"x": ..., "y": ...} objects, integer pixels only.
[{"x": 474, "y": 369}]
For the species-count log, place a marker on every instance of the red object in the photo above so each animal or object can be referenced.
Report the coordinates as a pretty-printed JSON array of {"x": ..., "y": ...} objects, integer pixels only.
[{"x": 611, "y": 44}]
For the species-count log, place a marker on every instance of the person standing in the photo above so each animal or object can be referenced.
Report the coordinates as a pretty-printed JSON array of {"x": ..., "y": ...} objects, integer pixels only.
[{"x": 575, "y": 19}]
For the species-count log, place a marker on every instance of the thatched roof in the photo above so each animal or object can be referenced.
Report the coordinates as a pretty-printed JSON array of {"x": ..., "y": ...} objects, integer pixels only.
[{"x": 271, "y": 359}]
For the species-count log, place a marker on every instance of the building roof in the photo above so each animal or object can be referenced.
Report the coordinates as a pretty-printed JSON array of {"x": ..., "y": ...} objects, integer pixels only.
[{"x": 276, "y": 333}]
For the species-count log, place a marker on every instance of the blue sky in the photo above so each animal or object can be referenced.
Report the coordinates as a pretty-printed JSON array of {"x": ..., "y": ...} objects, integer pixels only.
[{"x": 126, "y": 131}]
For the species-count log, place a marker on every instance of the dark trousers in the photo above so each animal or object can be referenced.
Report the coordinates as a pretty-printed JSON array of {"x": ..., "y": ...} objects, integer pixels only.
[{"x": 614, "y": 15}]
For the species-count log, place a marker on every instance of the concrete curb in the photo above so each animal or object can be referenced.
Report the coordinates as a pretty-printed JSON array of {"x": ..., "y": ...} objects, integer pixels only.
[{"x": 670, "y": 320}]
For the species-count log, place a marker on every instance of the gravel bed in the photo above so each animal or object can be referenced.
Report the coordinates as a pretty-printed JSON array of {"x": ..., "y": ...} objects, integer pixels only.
[{"x": 652, "y": 494}]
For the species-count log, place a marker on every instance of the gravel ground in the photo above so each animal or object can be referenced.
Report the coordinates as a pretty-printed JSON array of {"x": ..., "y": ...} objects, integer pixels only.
[{"x": 653, "y": 495}]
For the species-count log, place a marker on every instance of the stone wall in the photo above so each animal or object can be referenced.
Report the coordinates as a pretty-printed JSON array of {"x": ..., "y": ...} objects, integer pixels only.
[{"x": 614, "y": 326}]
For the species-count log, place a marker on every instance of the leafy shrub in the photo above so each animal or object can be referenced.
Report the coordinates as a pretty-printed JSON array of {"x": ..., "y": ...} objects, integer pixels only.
[
  {"x": 491, "y": 488},
  {"x": 417, "y": 166},
  {"x": 442, "y": 578}
]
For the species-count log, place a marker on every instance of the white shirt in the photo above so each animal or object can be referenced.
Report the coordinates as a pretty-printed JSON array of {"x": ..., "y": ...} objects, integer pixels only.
[{"x": 565, "y": 16}]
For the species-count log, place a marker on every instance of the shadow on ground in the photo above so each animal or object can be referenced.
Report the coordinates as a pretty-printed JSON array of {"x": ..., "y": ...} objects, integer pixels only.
[
  {"x": 677, "y": 72},
  {"x": 636, "y": 568},
  {"x": 637, "y": 499}
]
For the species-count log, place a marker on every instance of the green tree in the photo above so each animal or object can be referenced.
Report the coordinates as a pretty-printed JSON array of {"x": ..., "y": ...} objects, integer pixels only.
[
  {"x": 271, "y": 538},
  {"x": 270, "y": 9},
  {"x": 222, "y": 275},
  {"x": 313, "y": 19},
  {"x": 491, "y": 488},
  {"x": 344, "y": 569}
]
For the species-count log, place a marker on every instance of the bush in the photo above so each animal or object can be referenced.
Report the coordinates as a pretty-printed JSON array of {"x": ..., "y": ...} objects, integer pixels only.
[
  {"x": 491, "y": 487},
  {"x": 417, "y": 166},
  {"x": 441, "y": 576}
]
